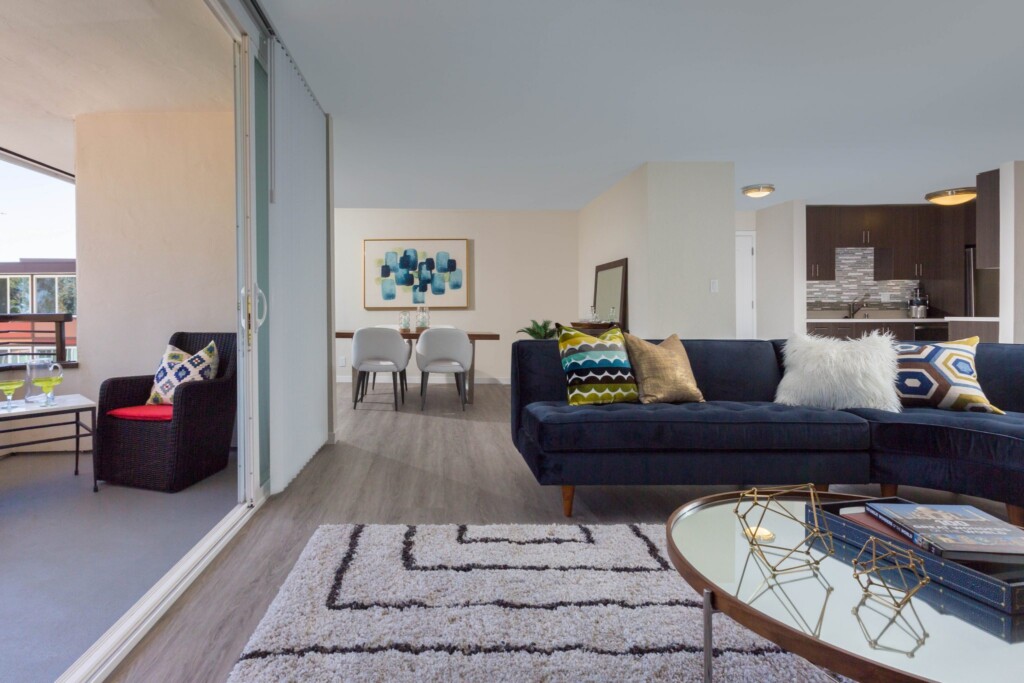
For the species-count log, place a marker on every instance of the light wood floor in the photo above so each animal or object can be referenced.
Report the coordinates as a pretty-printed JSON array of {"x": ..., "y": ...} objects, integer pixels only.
[{"x": 441, "y": 466}]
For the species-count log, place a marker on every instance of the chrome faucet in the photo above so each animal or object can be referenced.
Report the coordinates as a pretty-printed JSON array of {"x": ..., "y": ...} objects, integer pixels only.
[{"x": 854, "y": 307}]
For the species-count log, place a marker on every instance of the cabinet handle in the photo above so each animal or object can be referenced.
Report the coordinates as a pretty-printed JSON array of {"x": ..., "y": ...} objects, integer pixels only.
[{"x": 869, "y": 236}]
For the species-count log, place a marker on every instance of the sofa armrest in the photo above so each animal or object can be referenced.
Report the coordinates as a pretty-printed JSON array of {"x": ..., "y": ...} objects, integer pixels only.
[
  {"x": 122, "y": 392},
  {"x": 537, "y": 375},
  {"x": 197, "y": 400}
]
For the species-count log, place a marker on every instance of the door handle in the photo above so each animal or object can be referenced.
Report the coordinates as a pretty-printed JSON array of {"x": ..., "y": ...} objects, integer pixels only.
[
  {"x": 260, "y": 296},
  {"x": 869, "y": 236}
]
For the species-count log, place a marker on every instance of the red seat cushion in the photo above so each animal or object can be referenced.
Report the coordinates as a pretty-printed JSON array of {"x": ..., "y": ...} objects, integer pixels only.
[{"x": 157, "y": 413}]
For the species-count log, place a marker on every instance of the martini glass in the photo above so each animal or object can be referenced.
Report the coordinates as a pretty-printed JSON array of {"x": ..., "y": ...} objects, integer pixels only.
[
  {"x": 9, "y": 387},
  {"x": 47, "y": 384}
]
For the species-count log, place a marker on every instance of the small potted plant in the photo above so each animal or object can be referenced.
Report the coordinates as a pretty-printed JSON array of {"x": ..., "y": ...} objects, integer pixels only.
[{"x": 539, "y": 330}]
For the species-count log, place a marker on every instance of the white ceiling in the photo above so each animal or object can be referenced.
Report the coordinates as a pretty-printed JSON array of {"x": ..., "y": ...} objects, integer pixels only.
[
  {"x": 529, "y": 104},
  {"x": 62, "y": 58}
]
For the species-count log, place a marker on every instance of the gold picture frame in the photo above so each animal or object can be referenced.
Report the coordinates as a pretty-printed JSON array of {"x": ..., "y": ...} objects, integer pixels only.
[{"x": 404, "y": 273}]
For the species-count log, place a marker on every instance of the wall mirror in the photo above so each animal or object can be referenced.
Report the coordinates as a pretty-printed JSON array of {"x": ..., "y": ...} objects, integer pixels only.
[{"x": 610, "y": 293}]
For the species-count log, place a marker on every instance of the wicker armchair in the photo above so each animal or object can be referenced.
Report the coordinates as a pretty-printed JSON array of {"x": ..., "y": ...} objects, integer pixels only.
[{"x": 174, "y": 454}]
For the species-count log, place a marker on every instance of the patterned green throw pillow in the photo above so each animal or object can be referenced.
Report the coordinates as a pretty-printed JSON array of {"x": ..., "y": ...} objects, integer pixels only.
[
  {"x": 178, "y": 367},
  {"x": 597, "y": 369}
]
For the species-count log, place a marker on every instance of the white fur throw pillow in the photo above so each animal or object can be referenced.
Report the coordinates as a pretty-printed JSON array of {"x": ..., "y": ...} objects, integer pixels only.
[{"x": 840, "y": 373}]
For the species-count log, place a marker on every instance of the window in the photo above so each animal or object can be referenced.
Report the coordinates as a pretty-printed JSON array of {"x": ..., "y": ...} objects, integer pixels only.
[
  {"x": 46, "y": 295},
  {"x": 67, "y": 294},
  {"x": 53, "y": 294},
  {"x": 15, "y": 294}
]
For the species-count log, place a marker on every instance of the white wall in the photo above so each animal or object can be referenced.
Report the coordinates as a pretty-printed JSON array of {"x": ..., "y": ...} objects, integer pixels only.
[
  {"x": 611, "y": 227},
  {"x": 691, "y": 242},
  {"x": 297, "y": 290},
  {"x": 675, "y": 222},
  {"x": 523, "y": 266},
  {"x": 155, "y": 236},
  {"x": 781, "y": 264},
  {"x": 746, "y": 220},
  {"x": 1011, "y": 252},
  {"x": 155, "y": 214}
]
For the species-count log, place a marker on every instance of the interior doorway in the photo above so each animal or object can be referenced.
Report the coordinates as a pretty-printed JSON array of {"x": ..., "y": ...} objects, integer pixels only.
[{"x": 746, "y": 284}]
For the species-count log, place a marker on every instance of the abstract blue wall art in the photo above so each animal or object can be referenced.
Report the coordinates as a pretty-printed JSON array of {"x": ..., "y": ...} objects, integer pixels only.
[{"x": 404, "y": 273}]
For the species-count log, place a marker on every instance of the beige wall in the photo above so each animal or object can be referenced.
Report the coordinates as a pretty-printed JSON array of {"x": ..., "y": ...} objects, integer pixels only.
[
  {"x": 675, "y": 222},
  {"x": 155, "y": 197},
  {"x": 611, "y": 227},
  {"x": 156, "y": 236},
  {"x": 781, "y": 264},
  {"x": 692, "y": 242},
  {"x": 523, "y": 266}
]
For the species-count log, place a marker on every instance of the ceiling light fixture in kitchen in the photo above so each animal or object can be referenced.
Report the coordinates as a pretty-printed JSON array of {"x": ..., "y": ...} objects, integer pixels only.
[
  {"x": 958, "y": 195},
  {"x": 758, "y": 191}
]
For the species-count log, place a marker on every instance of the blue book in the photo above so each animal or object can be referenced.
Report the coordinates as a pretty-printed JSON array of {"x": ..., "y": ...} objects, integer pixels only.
[{"x": 953, "y": 532}]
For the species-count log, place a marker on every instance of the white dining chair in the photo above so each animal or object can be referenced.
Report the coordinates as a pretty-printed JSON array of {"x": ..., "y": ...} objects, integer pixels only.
[
  {"x": 378, "y": 349},
  {"x": 444, "y": 350},
  {"x": 402, "y": 375}
]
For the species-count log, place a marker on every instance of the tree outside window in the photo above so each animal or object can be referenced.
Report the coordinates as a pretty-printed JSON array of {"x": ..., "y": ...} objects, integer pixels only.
[
  {"x": 67, "y": 295},
  {"x": 19, "y": 295}
]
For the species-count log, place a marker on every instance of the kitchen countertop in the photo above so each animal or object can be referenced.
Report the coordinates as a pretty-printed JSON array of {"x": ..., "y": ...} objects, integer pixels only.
[
  {"x": 882, "y": 320},
  {"x": 973, "y": 320}
]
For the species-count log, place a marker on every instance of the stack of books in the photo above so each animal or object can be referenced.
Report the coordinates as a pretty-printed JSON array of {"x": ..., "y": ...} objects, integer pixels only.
[
  {"x": 953, "y": 532},
  {"x": 964, "y": 549}
]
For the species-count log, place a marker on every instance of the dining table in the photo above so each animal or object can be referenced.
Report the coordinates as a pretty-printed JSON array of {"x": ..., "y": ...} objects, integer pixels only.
[{"x": 413, "y": 335}]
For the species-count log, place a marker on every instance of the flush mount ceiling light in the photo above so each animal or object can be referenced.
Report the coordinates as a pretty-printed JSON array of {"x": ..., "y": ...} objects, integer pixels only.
[
  {"x": 758, "y": 191},
  {"x": 958, "y": 195}
]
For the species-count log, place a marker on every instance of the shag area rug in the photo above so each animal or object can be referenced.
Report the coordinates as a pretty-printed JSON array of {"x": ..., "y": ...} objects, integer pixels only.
[{"x": 497, "y": 603}]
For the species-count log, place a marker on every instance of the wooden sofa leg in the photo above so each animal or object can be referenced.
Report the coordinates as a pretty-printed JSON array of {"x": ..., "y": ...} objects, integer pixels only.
[
  {"x": 890, "y": 490},
  {"x": 567, "y": 494},
  {"x": 1015, "y": 513}
]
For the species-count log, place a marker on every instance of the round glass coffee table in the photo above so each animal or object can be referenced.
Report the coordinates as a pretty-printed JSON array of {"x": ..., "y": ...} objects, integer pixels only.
[{"x": 822, "y": 615}]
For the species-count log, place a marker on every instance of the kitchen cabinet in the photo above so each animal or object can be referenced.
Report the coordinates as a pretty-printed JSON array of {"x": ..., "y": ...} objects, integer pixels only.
[
  {"x": 987, "y": 330},
  {"x": 987, "y": 224},
  {"x": 902, "y": 331},
  {"x": 822, "y": 240}
]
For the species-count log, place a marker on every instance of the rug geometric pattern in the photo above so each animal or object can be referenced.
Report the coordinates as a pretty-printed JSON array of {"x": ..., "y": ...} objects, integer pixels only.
[{"x": 496, "y": 603}]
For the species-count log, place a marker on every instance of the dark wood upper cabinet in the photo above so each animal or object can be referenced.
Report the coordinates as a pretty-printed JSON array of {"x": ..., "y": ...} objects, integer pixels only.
[
  {"x": 987, "y": 224},
  {"x": 822, "y": 240}
]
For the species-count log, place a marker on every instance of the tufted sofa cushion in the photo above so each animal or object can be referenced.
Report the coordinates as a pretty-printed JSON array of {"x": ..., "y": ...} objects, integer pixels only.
[
  {"x": 958, "y": 437},
  {"x": 712, "y": 426}
]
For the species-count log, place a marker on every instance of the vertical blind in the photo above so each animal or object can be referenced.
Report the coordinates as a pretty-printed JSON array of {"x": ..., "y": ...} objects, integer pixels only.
[{"x": 298, "y": 273}]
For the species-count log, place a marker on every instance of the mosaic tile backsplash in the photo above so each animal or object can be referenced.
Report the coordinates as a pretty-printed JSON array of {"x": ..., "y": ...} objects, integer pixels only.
[{"x": 855, "y": 277}]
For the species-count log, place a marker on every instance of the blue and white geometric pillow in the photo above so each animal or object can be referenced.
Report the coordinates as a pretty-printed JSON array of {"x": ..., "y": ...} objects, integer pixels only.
[
  {"x": 177, "y": 367},
  {"x": 941, "y": 376}
]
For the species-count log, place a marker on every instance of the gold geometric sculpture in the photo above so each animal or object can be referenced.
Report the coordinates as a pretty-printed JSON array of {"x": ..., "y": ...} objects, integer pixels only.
[
  {"x": 765, "y": 588},
  {"x": 890, "y": 630},
  {"x": 888, "y": 573},
  {"x": 757, "y": 508}
]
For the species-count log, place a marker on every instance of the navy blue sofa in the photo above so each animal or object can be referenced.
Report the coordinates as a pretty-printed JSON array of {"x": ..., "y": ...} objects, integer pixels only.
[{"x": 739, "y": 436}]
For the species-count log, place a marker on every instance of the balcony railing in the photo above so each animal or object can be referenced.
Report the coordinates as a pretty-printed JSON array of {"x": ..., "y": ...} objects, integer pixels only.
[{"x": 24, "y": 336}]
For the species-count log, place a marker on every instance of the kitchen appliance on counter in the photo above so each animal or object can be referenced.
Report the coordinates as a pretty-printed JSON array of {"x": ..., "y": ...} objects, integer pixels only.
[{"x": 917, "y": 305}]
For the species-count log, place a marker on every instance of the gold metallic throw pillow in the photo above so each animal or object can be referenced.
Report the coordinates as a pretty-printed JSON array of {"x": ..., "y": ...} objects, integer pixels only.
[{"x": 663, "y": 371}]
